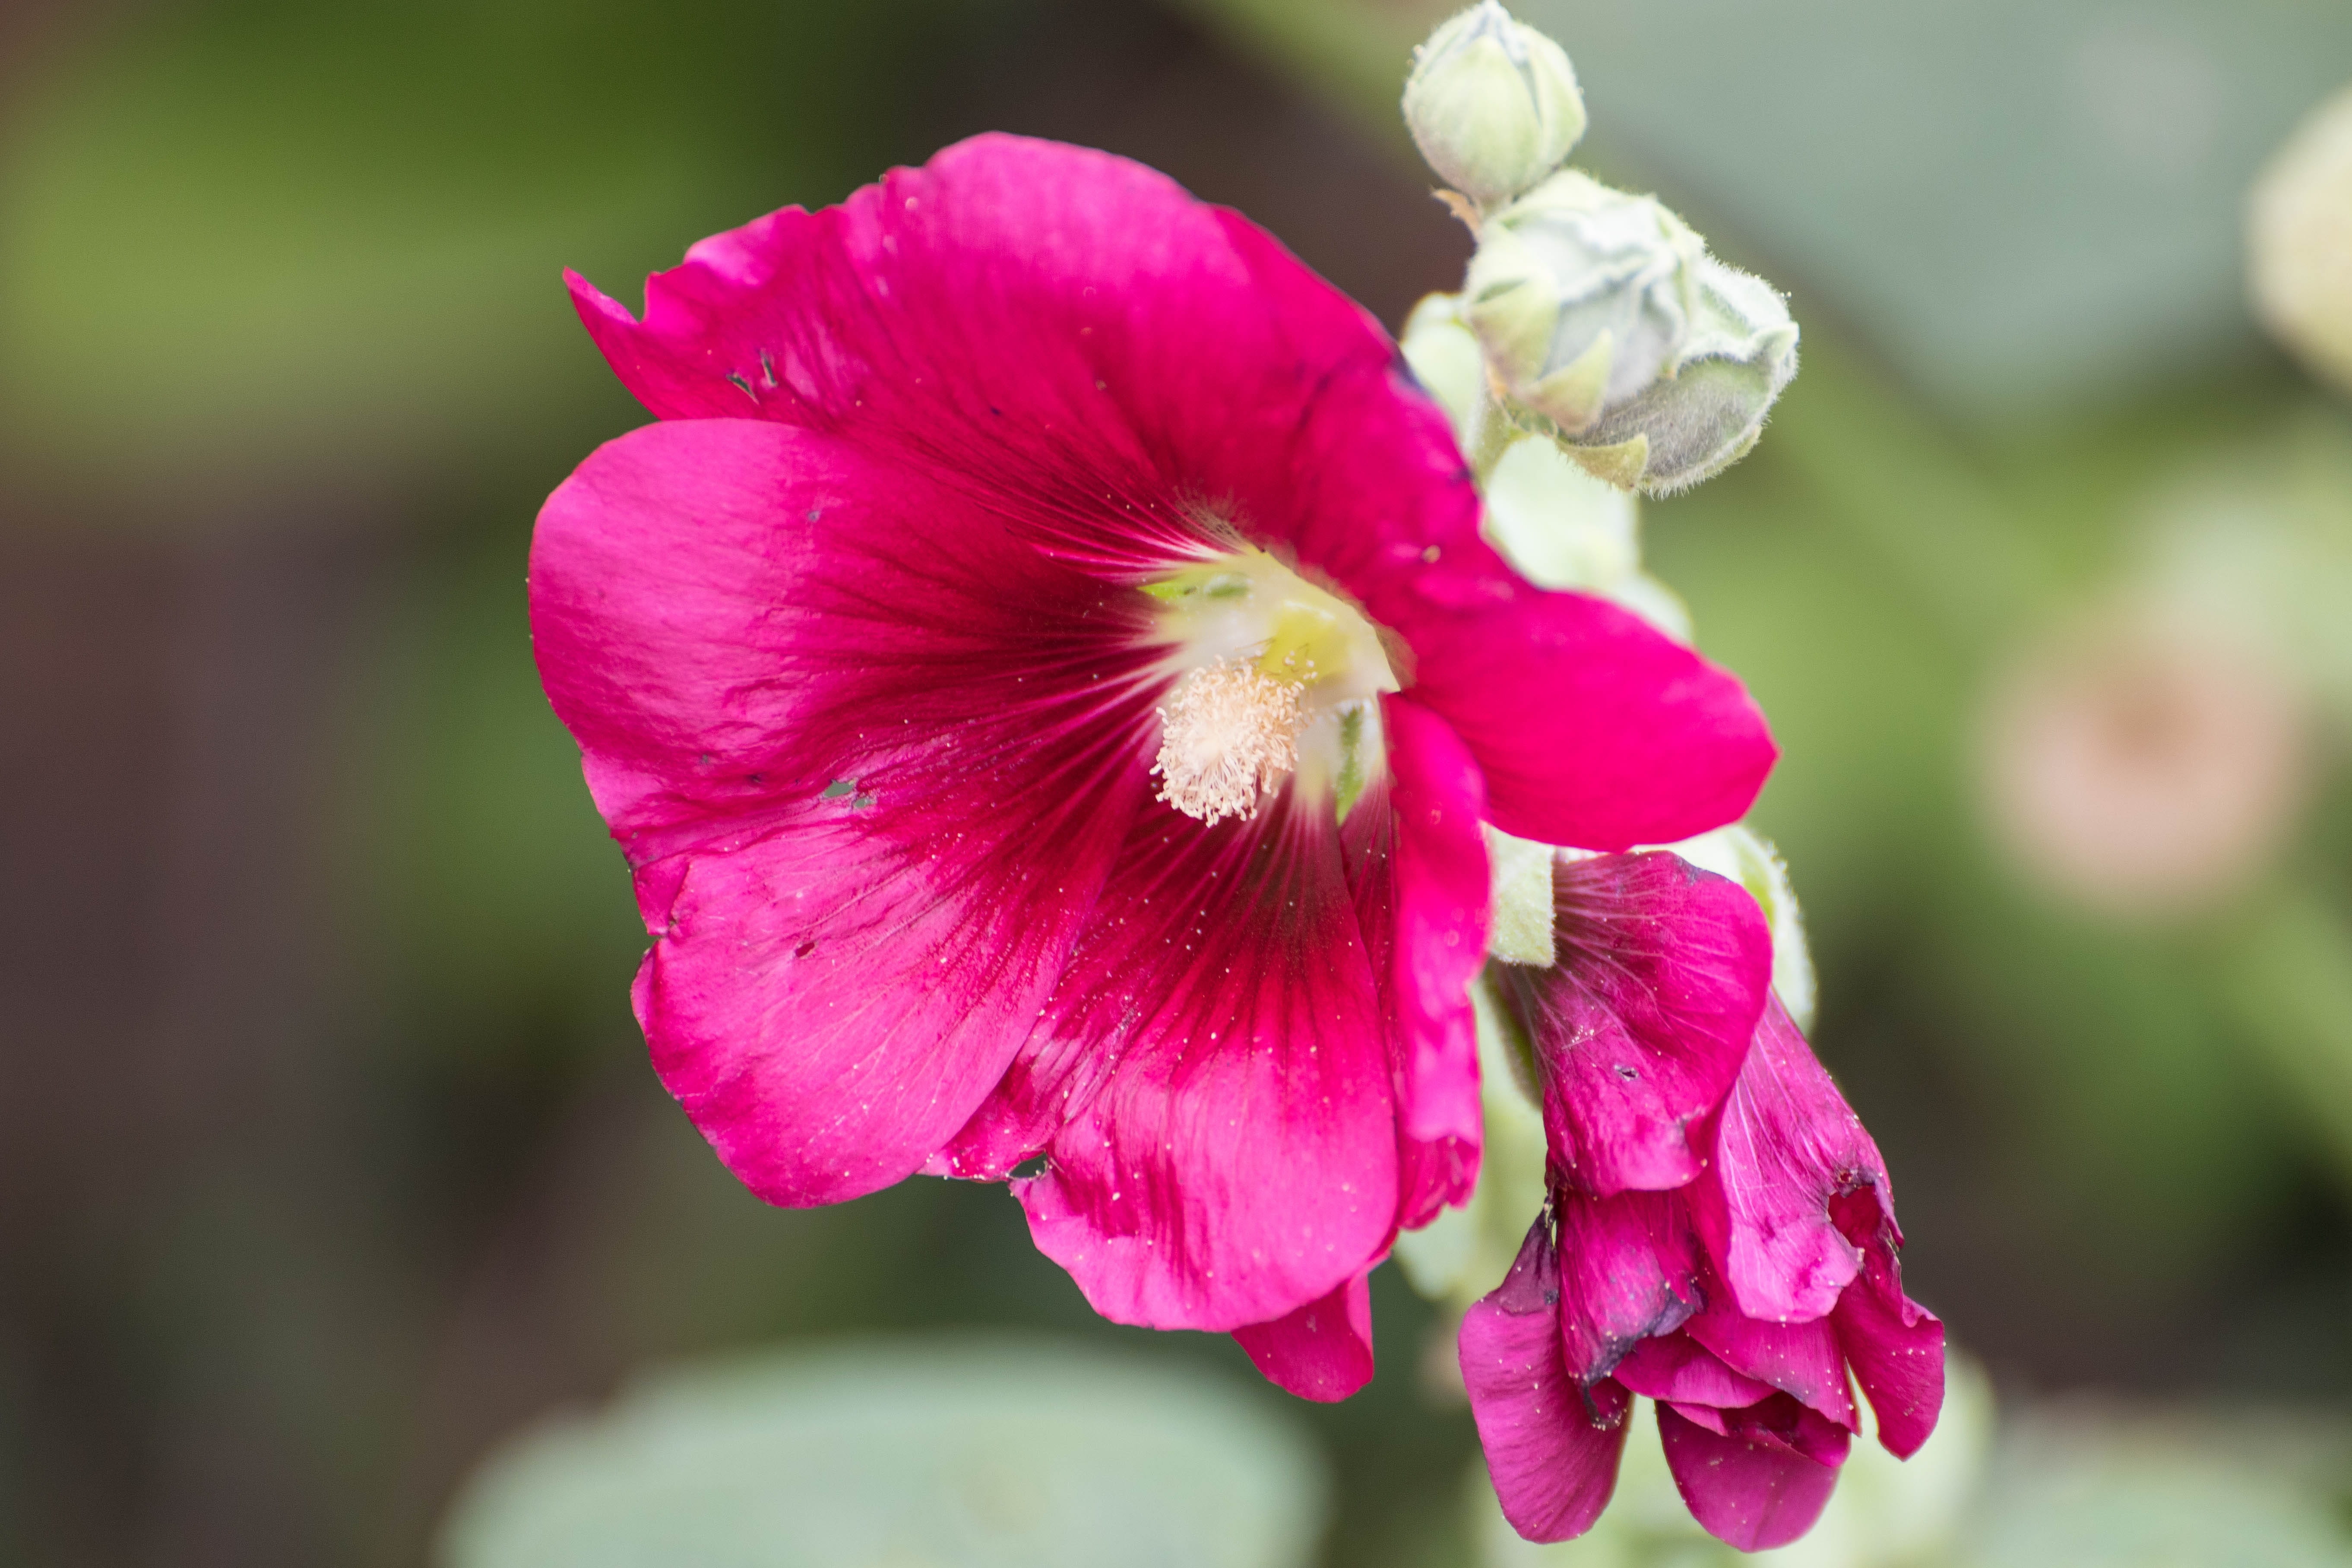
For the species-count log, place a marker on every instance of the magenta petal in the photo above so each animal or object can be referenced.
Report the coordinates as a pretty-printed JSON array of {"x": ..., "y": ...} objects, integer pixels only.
[
  {"x": 1227, "y": 1152},
  {"x": 1786, "y": 1147},
  {"x": 1751, "y": 1491},
  {"x": 1322, "y": 1351},
  {"x": 1777, "y": 1421},
  {"x": 1072, "y": 334},
  {"x": 1801, "y": 1359},
  {"x": 1552, "y": 1448},
  {"x": 1896, "y": 1347},
  {"x": 1642, "y": 1023},
  {"x": 1677, "y": 1368},
  {"x": 1627, "y": 1270},
  {"x": 1417, "y": 863},
  {"x": 855, "y": 926},
  {"x": 1593, "y": 728},
  {"x": 703, "y": 609}
]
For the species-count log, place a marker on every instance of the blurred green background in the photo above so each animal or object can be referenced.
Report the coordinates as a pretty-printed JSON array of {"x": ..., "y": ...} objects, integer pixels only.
[{"x": 329, "y": 1158}]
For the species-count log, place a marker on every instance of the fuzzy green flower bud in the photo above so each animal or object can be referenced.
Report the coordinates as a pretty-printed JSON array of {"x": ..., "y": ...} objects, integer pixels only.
[
  {"x": 1492, "y": 103},
  {"x": 1607, "y": 327},
  {"x": 1707, "y": 412},
  {"x": 1582, "y": 296}
]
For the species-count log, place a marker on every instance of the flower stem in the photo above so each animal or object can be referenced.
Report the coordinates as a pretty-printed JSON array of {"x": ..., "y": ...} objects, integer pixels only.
[{"x": 1491, "y": 435}]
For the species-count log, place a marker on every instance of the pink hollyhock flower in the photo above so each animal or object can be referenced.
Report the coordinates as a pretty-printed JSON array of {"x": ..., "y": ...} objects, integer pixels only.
[
  {"x": 1720, "y": 1235},
  {"x": 1047, "y": 679}
]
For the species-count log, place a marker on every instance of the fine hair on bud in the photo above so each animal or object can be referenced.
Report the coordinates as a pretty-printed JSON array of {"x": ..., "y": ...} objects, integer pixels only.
[{"x": 1696, "y": 422}]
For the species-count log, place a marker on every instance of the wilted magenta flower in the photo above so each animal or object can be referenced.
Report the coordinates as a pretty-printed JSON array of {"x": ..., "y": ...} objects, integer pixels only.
[
  {"x": 1720, "y": 1235},
  {"x": 1047, "y": 679}
]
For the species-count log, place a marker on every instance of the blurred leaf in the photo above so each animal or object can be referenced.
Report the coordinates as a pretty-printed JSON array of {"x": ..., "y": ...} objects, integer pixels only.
[
  {"x": 2089, "y": 1489},
  {"x": 947, "y": 1454},
  {"x": 2256, "y": 536}
]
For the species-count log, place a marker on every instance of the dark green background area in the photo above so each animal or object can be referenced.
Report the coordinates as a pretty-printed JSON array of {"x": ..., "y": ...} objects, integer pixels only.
[{"x": 328, "y": 1151}]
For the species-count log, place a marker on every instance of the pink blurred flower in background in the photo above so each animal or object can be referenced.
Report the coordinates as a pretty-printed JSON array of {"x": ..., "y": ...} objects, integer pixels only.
[
  {"x": 2146, "y": 761},
  {"x": 1720, "y": 1235},
  {"x": 1047, "y": 679}
]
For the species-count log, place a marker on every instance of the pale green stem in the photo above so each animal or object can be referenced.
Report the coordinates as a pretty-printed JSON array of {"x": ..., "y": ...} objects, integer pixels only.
[{"x": 1491, "y": 435}]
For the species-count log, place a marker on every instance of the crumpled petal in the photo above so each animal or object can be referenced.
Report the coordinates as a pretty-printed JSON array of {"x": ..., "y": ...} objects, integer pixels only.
[
  {"x": 1552, "y": 1448},
  {"x": 1628, "y": 1269},
  {"x": 1803, "y": 1360},
  {"x": 1677, "y": 1368},
  {"x": 855, "y": 923},
  {"x": 1644, "y": 1019},
  {"x": 1751, "y": 1486},
  {"x": 1896, "y": 1346},
  {"x": 1417, "y": 863},
  {"x": 1228, "y": 1152},
  {"x": 1323, "y": 1350},
  {"x": 1787, "y": 1145}
]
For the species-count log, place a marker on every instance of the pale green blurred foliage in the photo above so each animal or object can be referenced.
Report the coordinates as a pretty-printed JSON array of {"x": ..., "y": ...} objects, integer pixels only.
[
  {"x": 2082, "y": 1484},
  {"x": 277, "y": 244},
  {"x": 2256, "y": 536},
  {"x": 338, "y": 285},
  {"x": 948, "y": 1453}
]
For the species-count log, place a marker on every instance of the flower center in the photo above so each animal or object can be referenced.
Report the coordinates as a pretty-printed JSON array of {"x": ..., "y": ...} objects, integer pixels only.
[
  {"x": 1229, "y": 735},
  {"x": 1276, "y": 678}
]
